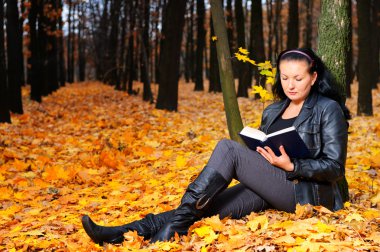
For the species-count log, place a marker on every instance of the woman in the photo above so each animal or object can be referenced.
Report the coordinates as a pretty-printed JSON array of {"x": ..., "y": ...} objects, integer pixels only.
[{"x": 306, "y": 101}]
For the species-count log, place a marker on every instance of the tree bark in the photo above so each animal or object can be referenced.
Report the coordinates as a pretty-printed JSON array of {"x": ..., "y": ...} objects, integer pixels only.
[
  {"x": 4, "y": 105},
  {"x": 231, "y": 105},
  {"x": 332, "y": 47},
  {"x": 375, "y": 23},
  {"x": 243, "y": 67},
  {"x": 349, "y": 62},
  {"x": 201, "y": 33},
  {"x": 15, "y": 57},
  {"x": 61, "y": 57},
  {"x": 293, "y": 26},
  {"x": 215, "y": 85},
  {"x": 364, "y": 60},
  {"x": 256, "y": 48},
  {"x": 145, "y": 49},
  {"x": 35, "y": 73},
  {"x": 52, "y": 49},
  {"x": 170, "y": 54}
]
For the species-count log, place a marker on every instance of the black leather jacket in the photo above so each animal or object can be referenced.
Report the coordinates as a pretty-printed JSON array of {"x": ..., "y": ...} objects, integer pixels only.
[{"x": 323, "y": 127}]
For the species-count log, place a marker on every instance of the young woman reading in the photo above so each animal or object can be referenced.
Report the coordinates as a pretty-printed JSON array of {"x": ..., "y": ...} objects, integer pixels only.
[{"x": 306, "y": 100}]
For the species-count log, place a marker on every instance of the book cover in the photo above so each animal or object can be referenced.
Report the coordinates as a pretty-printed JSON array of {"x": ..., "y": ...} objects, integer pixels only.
[{"x": 289, "y": 138}]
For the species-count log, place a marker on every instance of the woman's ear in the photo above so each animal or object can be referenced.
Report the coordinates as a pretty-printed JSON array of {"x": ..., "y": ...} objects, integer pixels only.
[{"x": 314, "y": 78}]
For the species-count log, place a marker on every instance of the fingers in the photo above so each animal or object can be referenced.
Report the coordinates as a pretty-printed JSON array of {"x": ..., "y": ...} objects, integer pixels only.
[
  {"x": 282, "y": 150},
  {"x": 264, "y": 153}
]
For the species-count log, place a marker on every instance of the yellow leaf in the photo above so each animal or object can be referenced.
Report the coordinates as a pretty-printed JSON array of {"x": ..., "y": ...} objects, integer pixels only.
[
  {"x": 260, "y": 222},
  {"x": 324, "y": 228},
  {"x": 288, "y": 239},
  {"x": 180, "y": 161},
  {"x": 371, "y": 213},
  {"x": 207, "y": 233},
  {"x": 243, "y": 51},
  {"x": 354, "y": 216},
  {"x": 214, "y": 38},
  {"x": 376, "y": 199}
]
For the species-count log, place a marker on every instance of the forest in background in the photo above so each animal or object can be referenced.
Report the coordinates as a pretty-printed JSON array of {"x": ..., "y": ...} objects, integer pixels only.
[{"x": 46, "y": 44}]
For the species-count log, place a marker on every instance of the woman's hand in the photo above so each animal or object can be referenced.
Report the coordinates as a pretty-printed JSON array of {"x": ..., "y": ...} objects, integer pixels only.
[{"x": 282, "y": 161}]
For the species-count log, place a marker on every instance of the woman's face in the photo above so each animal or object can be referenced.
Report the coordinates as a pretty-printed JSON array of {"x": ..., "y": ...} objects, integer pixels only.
[{"x": 296, "y": 79}]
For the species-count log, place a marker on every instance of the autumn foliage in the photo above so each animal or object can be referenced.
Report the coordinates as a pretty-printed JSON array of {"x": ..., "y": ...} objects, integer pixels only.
[{"x": 88, "y": 149}]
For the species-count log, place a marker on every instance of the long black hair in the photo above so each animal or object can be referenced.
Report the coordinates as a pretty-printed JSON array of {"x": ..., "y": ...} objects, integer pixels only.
[{"x": 324, "y": 84}]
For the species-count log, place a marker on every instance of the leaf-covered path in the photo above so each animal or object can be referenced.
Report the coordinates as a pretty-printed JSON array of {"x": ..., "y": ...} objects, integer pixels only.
[{"x": 88, "y": 149}]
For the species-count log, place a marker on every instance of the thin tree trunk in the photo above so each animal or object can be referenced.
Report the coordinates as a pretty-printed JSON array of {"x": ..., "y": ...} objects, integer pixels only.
[
  {"x": 15, "y": 58},
  {"x": 35, "y": 73},
  {"x": 231, "y": 105},
  {"x": 375, "y": 22},
  {"x": 257, "y": 49},
  {"x": 61, "y": 57},
  {"x": 243, "y": 67},
  {"x": 364, "y": 60},
  {"x": 270, "y": 28},
  {"x": 145, "y": 49},
  {"x": 277, "y": 26},
  {"x": 308, "y": 31},
  {"x": 214, "y": 85},
  {"x": 349, "y": 62},
  {"x": 81, "y": 43},
  {"x": 170, "y": 55},
  {"x": 51, "y": 58},
  {"x": 201, "y": 34},
  {"x": 293, "y": 26},
  {"x": 4, "y": 105}
]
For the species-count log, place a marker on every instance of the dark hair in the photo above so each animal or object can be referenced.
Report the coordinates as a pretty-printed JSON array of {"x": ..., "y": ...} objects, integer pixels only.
[{"x": 324, "y": 84}]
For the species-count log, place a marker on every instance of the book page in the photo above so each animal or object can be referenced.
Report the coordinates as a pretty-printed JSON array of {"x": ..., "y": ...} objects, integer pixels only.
[
  {"x": 282, "y": 131},
  {"x": 254, "y": 133}
]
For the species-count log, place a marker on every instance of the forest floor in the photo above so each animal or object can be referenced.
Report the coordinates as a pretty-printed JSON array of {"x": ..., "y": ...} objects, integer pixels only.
[{"x": 88, "y": 149}]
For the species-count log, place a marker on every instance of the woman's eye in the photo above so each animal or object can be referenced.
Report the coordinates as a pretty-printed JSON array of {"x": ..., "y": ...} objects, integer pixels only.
[
  {"x": 298, "y": 79},
  {"x": 284, "y": 78}
]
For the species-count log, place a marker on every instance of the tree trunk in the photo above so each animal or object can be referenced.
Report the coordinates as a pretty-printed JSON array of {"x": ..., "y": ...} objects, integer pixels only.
[
  {"x": 308, "y": 4},
  {"x": 4, "y": 105},
  {"x": 145, "y": 52},
  {"x": 230, "y": 34},
  {"x": 15, "y": 57},
  {"x": 214, "y": 85},
  {"x": 201, "y": 34},
  {"x": 188, "y": 49},
  {"x": 170, "y": 55},
  {"x": 256, "y": 48},
  {"x": 270, "y": 28},
  {"x": 81, "y": 42},
  {"x": 277, "y": 26},
  {"x": 332, "y": 47},
  {"x": 293, "y": 25},
  {"x": 35, "y": 73},
  {"x": 112, "y": 65},
  {"x": 231, "y": 105},
  {"x": 70, "y": 72},
  {"x": 375, "y": 22},
  {"x": 349, "y": 62},
  {"x": 61, "y": 57},
  {"x": 52, "y": 49},
  {"x": 364, "y": 60},
  {"x": 243, "y": 67},
  {"x": 130, "y": 61}
]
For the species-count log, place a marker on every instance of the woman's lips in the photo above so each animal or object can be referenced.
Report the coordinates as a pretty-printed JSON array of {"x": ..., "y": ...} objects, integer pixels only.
[{"x": 292, "y": 93}]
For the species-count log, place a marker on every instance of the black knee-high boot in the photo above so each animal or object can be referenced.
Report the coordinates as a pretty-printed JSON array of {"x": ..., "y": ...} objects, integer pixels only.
[
  {"x": 194, "y": 203},
  {"x": 146, "y": 227}
]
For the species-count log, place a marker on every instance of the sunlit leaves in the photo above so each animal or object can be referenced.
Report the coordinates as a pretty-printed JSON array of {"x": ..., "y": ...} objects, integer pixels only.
[{"x": 88, "y": 149}]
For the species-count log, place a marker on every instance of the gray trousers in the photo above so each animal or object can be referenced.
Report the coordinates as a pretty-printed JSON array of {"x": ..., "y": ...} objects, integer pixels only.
[{"x": 261, "y": 186}]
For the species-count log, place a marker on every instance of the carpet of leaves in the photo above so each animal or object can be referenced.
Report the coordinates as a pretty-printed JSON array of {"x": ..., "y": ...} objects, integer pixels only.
[{"x": 88, "y": 149}]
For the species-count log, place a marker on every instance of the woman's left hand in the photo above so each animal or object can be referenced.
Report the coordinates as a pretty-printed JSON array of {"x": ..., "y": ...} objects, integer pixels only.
[{"x": 283, "y": 161}]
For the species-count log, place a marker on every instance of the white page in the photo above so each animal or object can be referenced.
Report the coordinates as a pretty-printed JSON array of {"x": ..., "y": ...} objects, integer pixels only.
[
  {"x": 282, "y": 131},
  {"x": 254, "y": 133}
]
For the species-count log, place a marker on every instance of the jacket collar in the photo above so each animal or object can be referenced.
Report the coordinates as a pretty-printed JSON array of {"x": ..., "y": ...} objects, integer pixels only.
[{"x": 305, "y": 112}]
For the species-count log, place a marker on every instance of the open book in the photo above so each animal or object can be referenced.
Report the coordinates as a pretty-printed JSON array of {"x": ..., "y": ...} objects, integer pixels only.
[{"x": 288, "y": 137}]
